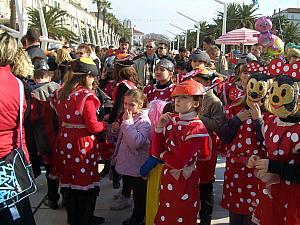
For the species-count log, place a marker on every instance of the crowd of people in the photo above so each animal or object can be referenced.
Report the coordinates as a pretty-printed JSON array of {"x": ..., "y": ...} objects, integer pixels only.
[{"x": 158, "y": 122}]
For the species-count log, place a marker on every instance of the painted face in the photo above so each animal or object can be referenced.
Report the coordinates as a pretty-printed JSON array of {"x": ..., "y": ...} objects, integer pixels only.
[
  {"x": 162, "y": 74},
  {"x": 185, "y": 104},
  {"x": 132, "y": 105},
  {"x": 283, "y": 96},
  {"x": 257, "y": 88}
]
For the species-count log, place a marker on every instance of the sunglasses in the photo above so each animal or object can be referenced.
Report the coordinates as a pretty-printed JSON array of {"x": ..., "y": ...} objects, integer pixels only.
[
  {"x": 161, "y": 48},
  {"x": 149, "y": 46}
]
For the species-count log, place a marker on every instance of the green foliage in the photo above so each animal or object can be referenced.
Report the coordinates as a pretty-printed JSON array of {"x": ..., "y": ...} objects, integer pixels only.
[
  {"x": 53, "y": 19},
  {"x": 291, "y": 33}
]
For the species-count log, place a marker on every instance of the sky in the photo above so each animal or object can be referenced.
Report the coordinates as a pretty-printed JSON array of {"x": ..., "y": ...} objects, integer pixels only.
[{"x": 155, "y": 16}]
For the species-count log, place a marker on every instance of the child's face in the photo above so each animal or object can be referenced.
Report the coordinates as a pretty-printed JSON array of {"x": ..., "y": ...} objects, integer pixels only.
[
  {"x": 89, "y": 81},
  {"x": 132, "y": 105},
  {"x": 162, "y": 74},
  {"x": 185, "y": 104},
  {"x": 196, "y": 64}
]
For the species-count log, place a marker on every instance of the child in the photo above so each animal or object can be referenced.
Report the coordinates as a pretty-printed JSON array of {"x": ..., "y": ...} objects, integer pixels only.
[
  {"x": 126, "y": 79},
  {"x": 240, "y": 134},
  {"x": 278, "y": 196},
  {"x": 44, "y": 123},
  {"x": 132, "y": 151},
  {"x": 178, "y": 142},
  {"x": 212, "y": 117},
  {"x": 77, "y": 147},
  {"x": 164, "y": 86}
]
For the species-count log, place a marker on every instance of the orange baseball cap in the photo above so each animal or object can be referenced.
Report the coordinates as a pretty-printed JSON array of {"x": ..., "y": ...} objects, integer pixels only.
[{"x": 189, "y": 87}]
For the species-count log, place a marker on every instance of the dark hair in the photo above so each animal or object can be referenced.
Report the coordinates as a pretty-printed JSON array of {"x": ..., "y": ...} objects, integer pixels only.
[
  {"x": 164, "y": 44},
  {"x": 124, "y": 40},
  {"x": 23, "y": 41},
  {"x": 169, "y": 107},
  {"x": 97, "y": 49},
  {"x": 84, "y": 48},
  {"x": 209, "y": 40},
  {"x": 33, "y": 35},
  {"x": 73, "y": 81},
  {"x": 128, "y": 73},
  {"x": 257, "y": 45},
  {"x": 182, "y": 49},
  {"x": 41, "y": 74}
]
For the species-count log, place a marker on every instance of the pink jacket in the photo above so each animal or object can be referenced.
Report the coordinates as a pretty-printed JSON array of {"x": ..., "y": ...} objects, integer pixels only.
[{"x": 133, "y": 144}]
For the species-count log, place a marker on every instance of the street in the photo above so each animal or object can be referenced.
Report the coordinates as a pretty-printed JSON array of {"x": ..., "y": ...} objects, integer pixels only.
[{"x": 46, "y": 216}]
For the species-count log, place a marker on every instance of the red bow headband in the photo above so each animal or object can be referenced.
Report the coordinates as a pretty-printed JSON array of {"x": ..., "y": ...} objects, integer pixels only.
[
  {"x": 278, "y": 67},
  {"x": 254, "y": 66}
]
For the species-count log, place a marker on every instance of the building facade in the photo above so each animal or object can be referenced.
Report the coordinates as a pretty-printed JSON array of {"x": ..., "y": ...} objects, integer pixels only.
[{"x": 292, "y": 14}]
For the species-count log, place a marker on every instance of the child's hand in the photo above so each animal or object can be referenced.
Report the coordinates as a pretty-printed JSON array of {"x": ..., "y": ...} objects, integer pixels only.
[
  {"x": 127, "y": 115},
  {"x": 262, "y": 165},
  {"x": 254, "y": 110},
  {"x": 251, "y": 163},
  {"x": 115, "y": 126},
  {"x": 244, "y": 115},
  {"x": 164, "y": 119}
]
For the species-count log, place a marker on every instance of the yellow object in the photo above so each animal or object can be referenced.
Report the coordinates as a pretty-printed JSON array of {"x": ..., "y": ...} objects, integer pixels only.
[
  {"x": 153, "y": 189},
  {"x": 278, "y": 47}
]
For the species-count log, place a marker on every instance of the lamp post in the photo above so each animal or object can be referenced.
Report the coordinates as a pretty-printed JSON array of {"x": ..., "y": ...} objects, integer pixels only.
[
  {"x": 224, "y": 22},
  {"x": 177, "y": 39},
  {"x": 197, "y": 24},
  {"x": 184, "y": 31}
]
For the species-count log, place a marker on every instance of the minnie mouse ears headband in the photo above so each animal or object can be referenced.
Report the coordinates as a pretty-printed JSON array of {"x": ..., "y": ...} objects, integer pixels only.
[
  {"x": 255, "y": 67},
  {"x": 278, "y": 67}
]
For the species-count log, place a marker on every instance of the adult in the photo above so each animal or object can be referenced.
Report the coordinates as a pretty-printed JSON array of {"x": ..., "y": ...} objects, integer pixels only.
[
  {"x": 293, "y": 55},
  {"x": 9, "y": 129},
  {"x": 123, "y": 46},
  {"x": 181, "y": 59},
  {"x": 207, "y": 42},
  {"x": 257, "y": 50},
  {"x": 218, "y": 62},
  {"x": 162, "y": 51},
  {"x": 145, "y": 65},
  {"x": 33, "y": 49}
]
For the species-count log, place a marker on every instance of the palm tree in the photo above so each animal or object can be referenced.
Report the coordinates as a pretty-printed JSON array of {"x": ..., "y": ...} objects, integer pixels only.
[
  {"x": 53, "y": 18},
  {"x": 102, "y": 7},
  {"x": 279, "y": 22},
  {"x": 245, "y": 15},
  {"x": 232, "y": 17},
  {"x": 13, "y": 17},
  {"x": 291, "y": 33}
]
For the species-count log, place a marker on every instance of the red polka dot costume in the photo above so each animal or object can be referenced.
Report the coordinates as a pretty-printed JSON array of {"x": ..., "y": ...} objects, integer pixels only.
[
  {"x": 279, "y": 202},
  {"x": 184, "y": 141},
  {"x": 240, "y": 184},
  {"x": 230, "y": 91},
  {"x": 130, "y": 85},
  {"x": 153, "y": 93},
  {"x": 109, "y": 87},
  {"x": 77, "y": 149}
]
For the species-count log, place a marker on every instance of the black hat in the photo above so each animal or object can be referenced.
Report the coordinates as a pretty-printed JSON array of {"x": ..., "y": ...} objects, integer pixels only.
[
  {"x": 84, "y": 66},
  {"x": 166, "y": 64},
  {"x": 200, "y": 56}
]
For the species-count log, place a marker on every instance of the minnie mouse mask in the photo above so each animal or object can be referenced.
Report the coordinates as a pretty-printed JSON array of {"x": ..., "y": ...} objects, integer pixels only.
[{"x": 284, "y": 91}]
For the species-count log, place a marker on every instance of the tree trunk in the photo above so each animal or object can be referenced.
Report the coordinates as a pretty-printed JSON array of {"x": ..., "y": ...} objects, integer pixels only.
[
  {"x": 98, "y": 14},
  {"x": 13, "y": 16},
  {"x": 104, "y": 18}
]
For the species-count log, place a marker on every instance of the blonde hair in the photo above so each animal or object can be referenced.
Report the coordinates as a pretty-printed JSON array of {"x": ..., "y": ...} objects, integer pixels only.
[
  {"x": 22, "y": 65},
  {"x": 137, "y": 95},
  {"x": 8, "y": 48},
  {"x": 293, "y": 52},
  {"x": 63, "y": 55}
]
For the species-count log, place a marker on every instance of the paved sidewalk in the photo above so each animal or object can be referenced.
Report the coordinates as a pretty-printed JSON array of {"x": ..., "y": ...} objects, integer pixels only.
[{"x": 46, "y": 216}]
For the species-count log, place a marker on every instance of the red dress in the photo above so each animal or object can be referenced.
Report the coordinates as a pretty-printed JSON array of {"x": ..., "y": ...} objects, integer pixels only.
[
  {"x": 230, "y": 91},
  {"x": 77, "y": 149},
  {"x": 240, "y": 189},
  {"x": 279, "y": 203},
  {"x": 154, "y": 93},
  {"x": 182, "y": 144}
]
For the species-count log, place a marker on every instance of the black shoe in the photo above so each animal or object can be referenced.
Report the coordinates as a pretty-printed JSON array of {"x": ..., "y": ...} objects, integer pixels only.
[
  {"x": 132, "y": 221},
  {"x": 116, "y": 185},
  {"x": 97, "y": 220},
  {"x": 50, "y": 203}
]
